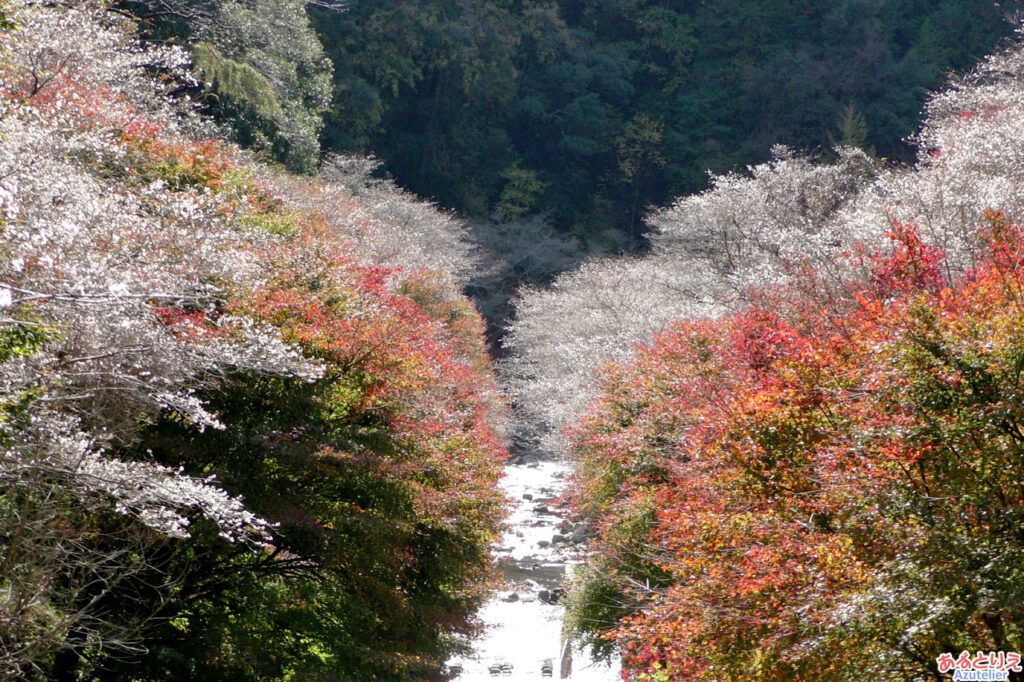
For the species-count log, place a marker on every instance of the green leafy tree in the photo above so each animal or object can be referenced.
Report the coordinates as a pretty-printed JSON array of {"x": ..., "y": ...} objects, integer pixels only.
[
  {"x": 852, "y": 130},
  {"x": 421, "y": 84},
  {"x": 520, "y": 195},
  {"x": 264, "y": 71}
]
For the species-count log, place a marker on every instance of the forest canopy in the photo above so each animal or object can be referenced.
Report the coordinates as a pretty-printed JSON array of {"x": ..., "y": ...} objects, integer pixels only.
[
  {"x": 590, "y": 111},
  {"x": 249, "y": 426}
]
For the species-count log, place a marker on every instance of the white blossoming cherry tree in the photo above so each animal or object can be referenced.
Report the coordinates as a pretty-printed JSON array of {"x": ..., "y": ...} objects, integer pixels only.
[{"x": 110, "y": 300}]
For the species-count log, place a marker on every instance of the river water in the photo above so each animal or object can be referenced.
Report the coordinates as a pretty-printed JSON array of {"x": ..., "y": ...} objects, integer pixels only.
[{"x": 524, "y": 621}]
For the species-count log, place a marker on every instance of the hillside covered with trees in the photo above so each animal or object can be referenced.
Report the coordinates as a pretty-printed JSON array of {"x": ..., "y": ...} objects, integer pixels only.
[
  {"x": 796, "y": 422},
  {"x": 249, "y": 427},
  {"x": 589, "y": 112}
]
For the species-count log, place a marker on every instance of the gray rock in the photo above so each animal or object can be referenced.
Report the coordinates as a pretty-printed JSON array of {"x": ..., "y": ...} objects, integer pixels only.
[
  {"x": 551, "y": 596},
  {"x": 541, "y": 509},
  {"x": 502, "y": 668},
  {"x": 527, "y": 496}
]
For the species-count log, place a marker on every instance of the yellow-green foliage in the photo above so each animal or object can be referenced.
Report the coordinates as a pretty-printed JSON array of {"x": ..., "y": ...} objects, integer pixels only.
[
  {"x": 237, "y": 80},
  {"x": 20, "y": 340},
  {"x": 178, "y": 174},
  {"x": 522, "y": 193},
  {"x": 283, "y": 224}
]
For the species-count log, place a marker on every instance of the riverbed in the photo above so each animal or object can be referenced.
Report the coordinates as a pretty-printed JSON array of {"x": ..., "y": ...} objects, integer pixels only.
[{"x": 524, "y": 639}]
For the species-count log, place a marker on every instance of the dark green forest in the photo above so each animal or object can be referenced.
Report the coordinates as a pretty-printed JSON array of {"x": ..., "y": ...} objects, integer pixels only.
[
  {"x": 585, "y": 113},
  {"x": 589, "y": 112}
]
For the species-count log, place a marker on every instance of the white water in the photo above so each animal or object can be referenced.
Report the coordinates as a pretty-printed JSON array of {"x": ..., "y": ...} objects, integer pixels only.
[{"x": 523, "y": 631}]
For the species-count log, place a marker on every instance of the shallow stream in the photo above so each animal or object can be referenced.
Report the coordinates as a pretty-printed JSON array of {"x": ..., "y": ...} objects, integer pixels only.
[{"x": 524, "y": 636}]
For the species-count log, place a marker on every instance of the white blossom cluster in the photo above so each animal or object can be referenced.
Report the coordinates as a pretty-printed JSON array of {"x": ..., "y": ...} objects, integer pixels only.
[
  {"x": 389, "y": 226},
  {"x": 750, "y": 231},
  {"x": 561, "y": 336},
  {"x": 91, "y": 259},
  {"x": 53, "y": 445},
  {"x": 80, "y": 41},
  {"x": 754, "y": 230},
  {"x": 971, "y": 160}
]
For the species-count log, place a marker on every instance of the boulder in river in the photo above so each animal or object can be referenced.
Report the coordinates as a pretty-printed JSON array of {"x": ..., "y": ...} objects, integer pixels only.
[
  {"x": 551, "y": 596},
  {"x": 500, "y": 668}
]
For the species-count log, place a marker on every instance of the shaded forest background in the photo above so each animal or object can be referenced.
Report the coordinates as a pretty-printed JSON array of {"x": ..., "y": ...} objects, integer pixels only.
[{"x": 588, "y": 112}]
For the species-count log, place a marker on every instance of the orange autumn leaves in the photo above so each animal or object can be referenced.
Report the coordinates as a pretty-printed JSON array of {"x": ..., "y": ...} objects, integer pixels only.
[
  {"x": 823, "y": 485},
  {"x": 412, "y": 356}
]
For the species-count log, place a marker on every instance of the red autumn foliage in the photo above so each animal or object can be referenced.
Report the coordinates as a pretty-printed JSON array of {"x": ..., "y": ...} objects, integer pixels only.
[{"x": 806, "y": 490}]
